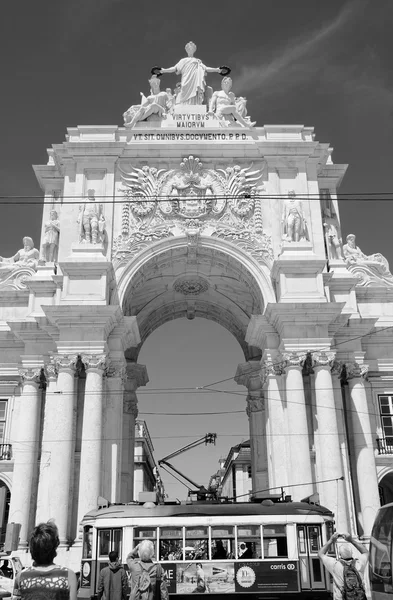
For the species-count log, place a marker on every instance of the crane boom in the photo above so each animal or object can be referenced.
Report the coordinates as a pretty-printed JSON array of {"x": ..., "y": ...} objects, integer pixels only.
[{"x": 201, "y": 491}]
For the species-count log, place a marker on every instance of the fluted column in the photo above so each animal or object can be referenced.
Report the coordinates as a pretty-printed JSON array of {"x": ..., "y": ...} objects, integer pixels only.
[
  {"x": 327, "y": 440},
  {"x": 298, "y": 434},
  {"x": 91, "y": 450},
  {"x": 58, "y": 444},
  {"x": 362, "y": 446},
  {"x": 25, "y": 452},
  {"x": 276, "y": 427},
  {"x": 113, "y": 431}
]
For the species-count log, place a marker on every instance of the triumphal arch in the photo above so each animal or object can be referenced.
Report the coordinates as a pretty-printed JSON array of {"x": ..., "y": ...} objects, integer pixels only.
[{"x": 192, "y": 210}]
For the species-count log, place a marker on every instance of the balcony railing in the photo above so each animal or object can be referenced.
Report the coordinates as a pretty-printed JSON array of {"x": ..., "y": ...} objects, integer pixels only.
[
  {"x": 5, "y": 451},
  {"x": 385, "y": 445}
]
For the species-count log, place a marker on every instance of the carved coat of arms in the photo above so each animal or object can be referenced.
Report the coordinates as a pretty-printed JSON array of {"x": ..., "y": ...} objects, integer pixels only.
[{"x": 191, "y": 201}]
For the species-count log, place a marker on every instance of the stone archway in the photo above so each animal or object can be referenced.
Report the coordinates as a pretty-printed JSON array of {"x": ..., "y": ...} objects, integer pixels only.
[{"x": 213, "y": 279}]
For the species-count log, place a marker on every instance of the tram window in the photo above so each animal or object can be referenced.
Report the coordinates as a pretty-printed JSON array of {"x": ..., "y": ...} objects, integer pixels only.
[
  {"x": 196, "y": 543},
  {"x": 171, "y": 543},
  {"x": 109, "y": 540},
  {"x": 87, "y": 542},
  {"x": 249, "y": 542},
  {"x": 313, "y": 539},
  {"x": 275, "y": 541},
  {"x": 104, "y": 537},
  {"x": 381, "y": 547},
  {"x": 223, "y": 543}
]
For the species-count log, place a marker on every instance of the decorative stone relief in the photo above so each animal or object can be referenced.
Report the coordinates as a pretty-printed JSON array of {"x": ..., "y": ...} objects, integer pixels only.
[
  {"x": 323, "y": 358},
  {"x": 192, "y": 201},
  {"x": 254, "y": 404},
  {"x": 94, "y": 361},
  {"x": 91, "y": 220},
  {"x": 191, "y": 287},
  {"x": 372, "y": 270},
  {"x": 294, "y": 359},
  {"x": 294, "y": 224},
  {"x": 50, "y": 245},
  {"x": 16, "y": 270},
  {"x": 354, "y": 369},
  {"x": 31, "y": 375},
  {"x": 116, "y": 371},
  {"x": 271, "y": 369},
  {"x": 130, "y": 404},
  {"x": 65, "y": 362}
]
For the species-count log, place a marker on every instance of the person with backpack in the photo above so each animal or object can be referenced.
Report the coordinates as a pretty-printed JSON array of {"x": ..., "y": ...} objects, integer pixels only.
[
  {"x": 148, "y": 581},
  {"x": 347, "y": 571},
  {"x": 113, "y": 581}
]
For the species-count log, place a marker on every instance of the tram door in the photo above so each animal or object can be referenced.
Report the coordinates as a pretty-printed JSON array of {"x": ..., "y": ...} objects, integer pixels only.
[{"x": 312, "y": 576}]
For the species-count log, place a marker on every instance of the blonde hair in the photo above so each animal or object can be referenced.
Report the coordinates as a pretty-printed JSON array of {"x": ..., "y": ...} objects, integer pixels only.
[{"x": 146, "y": 550}]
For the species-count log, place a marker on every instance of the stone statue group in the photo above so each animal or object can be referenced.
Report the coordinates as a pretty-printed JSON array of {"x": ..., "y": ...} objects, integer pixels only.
[{"x": 191, "y": 90}]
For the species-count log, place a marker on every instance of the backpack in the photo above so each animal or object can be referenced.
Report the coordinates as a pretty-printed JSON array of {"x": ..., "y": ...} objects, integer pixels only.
[
  {"x": 353, "y": 585},
  {"x": 144, "y": 583}
]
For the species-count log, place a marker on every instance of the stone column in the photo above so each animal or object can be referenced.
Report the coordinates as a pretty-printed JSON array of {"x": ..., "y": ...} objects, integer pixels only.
[
  {"x": 363, "y": 449},
  {"x": 300, "y": 473},
  {"x": 276, "y": 427},
  {"x": 25, "y": 452},
  {"x": 136, "y": 377},
  {"x": 113, "y": 431},
  {"x": 249, "y": 374},
  {"x": 58, "y": 445},
  {"x": 327, "y": 440},
  {"x": 91, "y": 451}
]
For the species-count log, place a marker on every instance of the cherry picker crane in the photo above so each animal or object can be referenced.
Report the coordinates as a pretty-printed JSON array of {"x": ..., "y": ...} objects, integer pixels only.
[{"x": 200, "y": 490}]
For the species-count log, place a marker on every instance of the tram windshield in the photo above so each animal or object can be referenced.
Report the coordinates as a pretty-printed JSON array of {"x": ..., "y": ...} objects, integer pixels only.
[{"x": 381, "y": 547}]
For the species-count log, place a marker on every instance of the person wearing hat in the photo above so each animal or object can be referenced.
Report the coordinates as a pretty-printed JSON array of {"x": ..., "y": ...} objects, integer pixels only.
[{"x": 336, "y": 566}]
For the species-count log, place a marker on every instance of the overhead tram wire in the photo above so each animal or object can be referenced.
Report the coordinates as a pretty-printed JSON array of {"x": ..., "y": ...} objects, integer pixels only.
[{"x": 119, "y": 198}]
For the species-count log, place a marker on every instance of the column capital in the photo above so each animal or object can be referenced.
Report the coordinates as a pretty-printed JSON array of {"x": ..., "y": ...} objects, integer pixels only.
[
  {"x": 354, "y": 369},
  {"x": 51, "y": 372},
  {"x": 64, "y": 362},
  {"x": 97, "y": 362},
  {"x": 294, "y": 359},
  {"x": 323, "y": 358},
  {"x": 31, "y": 375},
  {"x": 116, "y": 370},
  {"x": 254, "y": 404},
  {"x": 130, "y": 404},
  {"x": 249, "y": 375}
]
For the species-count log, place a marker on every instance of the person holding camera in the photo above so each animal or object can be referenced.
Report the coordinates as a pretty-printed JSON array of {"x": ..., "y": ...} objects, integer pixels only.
[{"x": 347, "y": 571}]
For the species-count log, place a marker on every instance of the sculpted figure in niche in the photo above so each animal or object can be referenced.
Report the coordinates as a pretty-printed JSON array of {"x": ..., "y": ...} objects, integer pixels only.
[
  {"x": 293, "y": 221},
  {"x": 225, "y": 105},
  {"x": 91, "y": 220},
  {"x": 28, "y": 256},
  {"x": 51, "y": 238},
  {"x": 333, "y": 240},
  {"x": 157, "y": 104},
  {"x": 193, "y": 73}
]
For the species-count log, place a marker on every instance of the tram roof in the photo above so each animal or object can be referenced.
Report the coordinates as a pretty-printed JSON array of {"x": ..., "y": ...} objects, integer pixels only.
[{"x": 117, "y": 511}]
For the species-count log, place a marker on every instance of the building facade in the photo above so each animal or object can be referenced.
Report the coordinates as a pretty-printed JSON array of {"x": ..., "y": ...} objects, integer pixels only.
[{"x": 191, "y": 211}]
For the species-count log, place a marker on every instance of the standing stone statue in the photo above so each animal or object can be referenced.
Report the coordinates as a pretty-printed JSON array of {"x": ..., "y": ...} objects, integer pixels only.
[
  {"x": 157, "y": 104},
  {"x": 224, "y": 104},
  {"x": 50, "y": 245},
  {"x": 28, "y": 256},
  {"x": 91, "y": 220},
  {"x": 193, "y": 73},
  {"x": 293, "y": 222}
]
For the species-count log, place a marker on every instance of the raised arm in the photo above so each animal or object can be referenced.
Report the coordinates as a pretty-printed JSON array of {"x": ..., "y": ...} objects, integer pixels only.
[
  {"x": 169, "y": 70},
  {"x": 326, "y": 547},
  {"x": 362, "y": 549},
  {"x": 212, "y": 69}
]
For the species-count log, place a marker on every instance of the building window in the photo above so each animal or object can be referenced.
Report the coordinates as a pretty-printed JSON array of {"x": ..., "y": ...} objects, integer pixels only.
[
  {"x": 3, "y": 416},
  {"x": 386, "y": 412}
]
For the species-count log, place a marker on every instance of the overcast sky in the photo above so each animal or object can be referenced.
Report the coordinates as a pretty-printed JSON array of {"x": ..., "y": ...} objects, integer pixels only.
[{"x": 83, "y": 62}]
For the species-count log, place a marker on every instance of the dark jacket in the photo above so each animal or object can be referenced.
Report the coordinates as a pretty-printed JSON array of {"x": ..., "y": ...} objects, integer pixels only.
[{"x": 113, "y": 583}]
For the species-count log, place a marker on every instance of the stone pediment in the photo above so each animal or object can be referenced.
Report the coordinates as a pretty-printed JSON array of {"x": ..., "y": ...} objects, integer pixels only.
[{"x": 191, "y": 201}]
